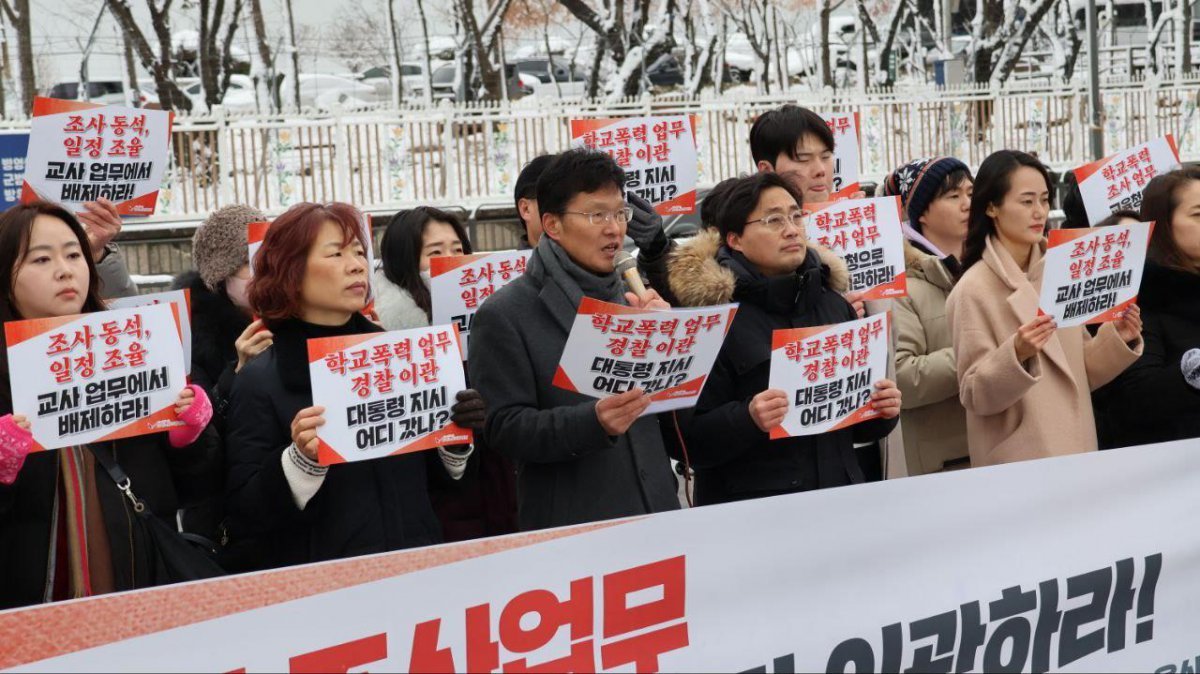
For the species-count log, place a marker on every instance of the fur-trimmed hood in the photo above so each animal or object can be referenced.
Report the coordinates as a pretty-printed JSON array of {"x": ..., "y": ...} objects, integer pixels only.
[
  {"x": 396, "y": 308},
  {"x": 922, "y": 266},
  {"x": 698, "y": 280}
]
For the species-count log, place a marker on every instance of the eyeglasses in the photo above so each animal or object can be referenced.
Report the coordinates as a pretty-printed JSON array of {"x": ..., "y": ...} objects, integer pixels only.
[
  {"x": 599, "y": 218},
  {"x": 776, "y": 222}
]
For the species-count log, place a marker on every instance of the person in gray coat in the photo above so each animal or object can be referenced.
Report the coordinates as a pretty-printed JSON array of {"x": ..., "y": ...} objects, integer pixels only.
[{"x": 578, "y": 459}]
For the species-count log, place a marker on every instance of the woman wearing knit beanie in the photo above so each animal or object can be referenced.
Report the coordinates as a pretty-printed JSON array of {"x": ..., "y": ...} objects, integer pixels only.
[
  {"x": 935, "y": 195},
  {"x": 223, "y": 337}
]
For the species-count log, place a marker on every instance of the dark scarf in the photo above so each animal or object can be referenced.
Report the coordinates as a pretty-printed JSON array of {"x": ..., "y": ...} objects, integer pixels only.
[
  {"x": 551, "y": 260},
  {"x": 786, "y": 294},
  {"x": 291, "y": 345}
]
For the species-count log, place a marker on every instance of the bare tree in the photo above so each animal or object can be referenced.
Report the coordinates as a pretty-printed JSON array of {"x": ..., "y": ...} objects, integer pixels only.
[
  {"x": 18, "y": 14},
  {"x": 627, "y": 36},
  {"x": 215, "y": 58},
  {"x": 826, "y": 12},
  {"x": 1001, "y": 31},
  {"x": 892, "y": 15},
  {"x": 428, "y": 59},
  {"x": 266, "y": 78},
  {"x": 361, "y": 38},
  {"x": 482, "y": 41},
  {"x": 159, "y": 65},
  {"x": 753, "y": 19}
]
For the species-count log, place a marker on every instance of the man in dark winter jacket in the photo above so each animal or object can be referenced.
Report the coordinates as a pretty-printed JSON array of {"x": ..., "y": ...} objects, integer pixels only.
[
  {"x": 578, "y": 459},
  {"x": 760, "y": 259},
  {"x": 525, "y": 199}
]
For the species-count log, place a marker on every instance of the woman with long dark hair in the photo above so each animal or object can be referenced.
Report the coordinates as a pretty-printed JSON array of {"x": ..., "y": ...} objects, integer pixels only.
[
  {"x": 1024, "y": 382},
  {"x": 310, "y": 281},
  {"x": 66, "y": 530},
  {"x": 1158, "y": 398},
  {"x": 401, "y": 284}
]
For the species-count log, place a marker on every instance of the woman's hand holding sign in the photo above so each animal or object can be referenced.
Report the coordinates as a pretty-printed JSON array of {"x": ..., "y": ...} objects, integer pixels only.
[
  {"x": 304, "y": 430},
  {"x": 1033, "y": 336},
  {"x": 886, "y": 399},
  {"x": 1130, "y": 325},
  {"x": 103, "y": 224}
]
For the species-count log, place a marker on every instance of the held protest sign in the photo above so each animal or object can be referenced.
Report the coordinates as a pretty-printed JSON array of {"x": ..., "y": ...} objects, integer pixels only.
[
  {"x": 83, "y": 151},
  {"x": 829, "y": 373},
  {"x": 1093, "y": 275},
  {"x": 657, "y": 153},
  {"x": 181, "y": 300},
  {"x": 1116, "y": 182},
  {"x": 387, "y": 393},
  {"x": 869, "y": 235},
  {"x": 460, "y": 283},
  {"x": 13, "y": 149},
  {"x": 255, "y": 233},
  {"x": 668, "y": 353},
  {"x": 846, "y": 169},
  {"x": 99, "y": 376}
]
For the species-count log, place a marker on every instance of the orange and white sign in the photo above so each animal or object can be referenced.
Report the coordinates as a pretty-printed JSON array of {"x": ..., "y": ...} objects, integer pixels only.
[
  {"x": 667, "y": 353},
  {"x": 99, "y": 376},
  {"x": 256, "y": 232},
  {"x": 387, "y": 393},
  {"x": 846, "y": 155},
  {"x": 80, "y": 152},
  {"x": 1116, "y": 182},
  {"x": 180, "y": 299},
  {"x": 869, "y": 235},
  {"x": 829, "y": 373},
  {"x": 1093, "y": 275},
  {"x": 459, "y": 284},
  {"x": 657, "y": 153}
]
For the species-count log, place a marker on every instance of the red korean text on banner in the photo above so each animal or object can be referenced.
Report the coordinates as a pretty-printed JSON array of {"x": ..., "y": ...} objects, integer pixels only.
[
  {"x": 98, "y": 376},
  {"x": 459, "y": 284},
  {"x": 868, "y": 234},
  {"x": 181, "y": 300},
  {"x": 1093, "y": 275},
  {"x": 847, "y": 139},
  {"x": 667, "y": 353},
  {"x": 658, "y": 155},
  {"x": 387, "y": 393},
  {"x": 829, "y": 373},
  {"x": 80, "y": 152},
  {"x": 1116, "y": 183}
]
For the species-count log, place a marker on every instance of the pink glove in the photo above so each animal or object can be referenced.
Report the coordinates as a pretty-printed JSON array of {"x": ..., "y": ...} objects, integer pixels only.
[
  {"x": 196, "y": 417},
  {"x": 15, "y": 444}
]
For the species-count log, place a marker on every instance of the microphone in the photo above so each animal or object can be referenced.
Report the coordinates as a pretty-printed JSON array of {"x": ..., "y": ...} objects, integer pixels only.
[
  {"x": 1190, "y": 364},
  {"x": 626, "y": 266}
]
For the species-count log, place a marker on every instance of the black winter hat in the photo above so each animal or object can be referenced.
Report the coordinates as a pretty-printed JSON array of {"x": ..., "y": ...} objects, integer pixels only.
[{"x": 918, "y": 182}]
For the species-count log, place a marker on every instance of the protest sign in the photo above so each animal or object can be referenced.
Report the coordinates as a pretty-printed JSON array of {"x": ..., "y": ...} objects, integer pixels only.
[
  {"x": 668, "y": 353},
  {"x": 868, "y": 234},
  {"x": 657, "y": 153},
  {"x": 387, "y": 393},
  {"x": 256, "y": 232},
  {"x": 460, "y": 283},
  {"x": 846, "y": 160},
  {"x": 81, "y": 152},
  {"x": 1093, "y": 275},
  {"x": 829, "y": 373},
  {"x": 180, "y": 299},
  {"x": 1116, "y": 182},
  {"x": 13, "y": 149},
  {"x": 99, "y": 376}
]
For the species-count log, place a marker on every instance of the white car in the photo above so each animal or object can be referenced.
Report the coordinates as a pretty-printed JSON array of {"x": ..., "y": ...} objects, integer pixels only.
[
  {"x": 239, "y": 96},
  {"x": 322, "y": 91},
  {"x": 412, "y": 80}
]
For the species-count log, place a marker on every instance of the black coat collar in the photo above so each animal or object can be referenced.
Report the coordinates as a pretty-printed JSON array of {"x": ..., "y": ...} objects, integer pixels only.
[{"x": 291, "y": 346}]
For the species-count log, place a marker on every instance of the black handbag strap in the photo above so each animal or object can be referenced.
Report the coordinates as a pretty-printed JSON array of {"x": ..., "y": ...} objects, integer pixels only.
[{"x": 104, "y": 455}]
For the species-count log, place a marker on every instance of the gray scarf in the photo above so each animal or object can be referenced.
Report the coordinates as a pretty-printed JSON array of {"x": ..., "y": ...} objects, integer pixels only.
[{"x": 575, "y": 281}]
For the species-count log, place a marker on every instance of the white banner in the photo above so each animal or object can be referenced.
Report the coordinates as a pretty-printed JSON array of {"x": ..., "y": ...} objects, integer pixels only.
[
  {"x": 180, "y": 299},
  {"x": 459, "y": 284},
  {"x": 829, "y": 373},
  {"x": 657, "y": 153},
  {"x": 846, "y": 157},
  {"x": 386, "y": 393},
  {"x": 80, "y": 152},
  {"x": 98, "y": 376},
  {"x": 667, "y": 353},
  {"x": 867, "y": 233},
  {"x": 1117, "y": 182},
  {"x": 1080, "y": 563},
  {"x": 1093, "y": 275}
]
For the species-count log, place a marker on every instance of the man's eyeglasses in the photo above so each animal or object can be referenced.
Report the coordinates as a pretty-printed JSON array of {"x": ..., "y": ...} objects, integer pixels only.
[
  {"x": 599, "y": 218},
  {"x": 776, "y": 222}
]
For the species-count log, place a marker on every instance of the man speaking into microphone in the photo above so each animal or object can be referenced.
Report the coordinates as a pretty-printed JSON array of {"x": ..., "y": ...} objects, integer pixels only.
[{"x": 578, "y": 459}]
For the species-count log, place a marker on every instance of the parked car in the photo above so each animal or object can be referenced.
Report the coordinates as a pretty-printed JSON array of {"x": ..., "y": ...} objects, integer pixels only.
[
  {"x": 412, "y": 80},
  {"x": 106, "y": 91},
  {"x": 322, "y": 91},
  {"x": 552, "y": 77},
  {"x": 518, "y": 84},
  {"x": 239, "y": 96}
]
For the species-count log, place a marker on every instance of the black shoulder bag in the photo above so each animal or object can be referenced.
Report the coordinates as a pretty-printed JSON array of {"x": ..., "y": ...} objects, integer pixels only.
[{"x": 172, "y": 557}]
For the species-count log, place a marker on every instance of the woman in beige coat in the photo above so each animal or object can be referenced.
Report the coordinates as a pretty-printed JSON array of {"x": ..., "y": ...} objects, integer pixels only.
[{"x": 1024, "y": 383}]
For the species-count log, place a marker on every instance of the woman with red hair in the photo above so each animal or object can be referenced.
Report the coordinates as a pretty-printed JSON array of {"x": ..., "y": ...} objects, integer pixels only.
[{"x": 311, "y": 281}]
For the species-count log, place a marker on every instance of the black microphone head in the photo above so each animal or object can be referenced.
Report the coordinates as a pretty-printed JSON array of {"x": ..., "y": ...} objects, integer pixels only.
[{"x": 624, "y": 262}]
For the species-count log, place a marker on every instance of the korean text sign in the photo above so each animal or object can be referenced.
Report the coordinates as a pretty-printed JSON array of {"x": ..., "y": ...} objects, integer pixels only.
[
  {"x": 829, "y": 373},
  {"x": 387, "y": 393},
  {"x": 98, "y": 376},
  {"x": 868, "y": 234},
  {"x": 1116, "y": 183},
  {"x": 460, "y": 283},
  {"x": 180, "y": 299},
  {"x": 657, "y": 153},
  {"x": 82, "y": 151},
  {"x": 667, "y": 353},
  {"x": 13, "y": 149},
  {"x": 845, "y": 128},
  {"x": 1093, "y": 275}
]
